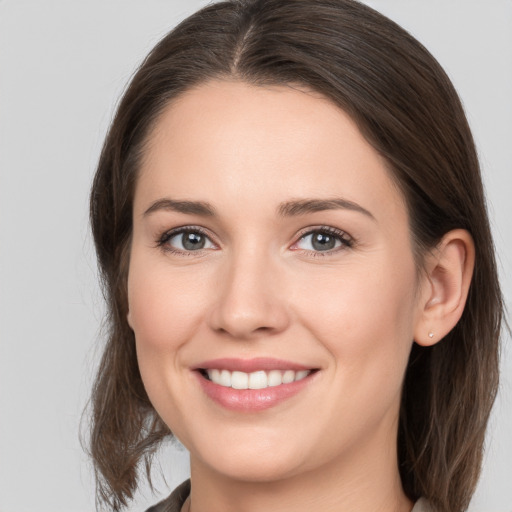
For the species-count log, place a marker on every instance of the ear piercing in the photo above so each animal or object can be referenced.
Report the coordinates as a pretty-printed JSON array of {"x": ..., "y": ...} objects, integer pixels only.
[{"x": 430, "y": 334}]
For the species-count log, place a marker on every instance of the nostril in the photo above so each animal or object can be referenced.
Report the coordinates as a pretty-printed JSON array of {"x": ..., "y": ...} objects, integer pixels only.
[{"x": 264, "y": 329}]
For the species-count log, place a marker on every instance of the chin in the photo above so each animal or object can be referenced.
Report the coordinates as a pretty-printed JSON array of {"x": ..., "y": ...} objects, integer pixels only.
[
  {"x": 258, "y": 470},
  {"x": 262, "y": 461}
]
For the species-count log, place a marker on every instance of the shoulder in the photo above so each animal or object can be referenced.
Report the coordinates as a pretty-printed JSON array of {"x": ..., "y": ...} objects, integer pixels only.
[{"x": 174, "y": 502}]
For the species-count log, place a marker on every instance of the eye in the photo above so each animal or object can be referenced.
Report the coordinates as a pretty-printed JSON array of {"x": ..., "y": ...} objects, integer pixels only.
[
  {"x": 323, "y": 240},
  {"x": 185, "y": 240}
]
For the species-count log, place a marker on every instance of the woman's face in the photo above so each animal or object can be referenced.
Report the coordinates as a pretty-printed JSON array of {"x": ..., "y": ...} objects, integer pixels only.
[{"x": 271, "y": 250}]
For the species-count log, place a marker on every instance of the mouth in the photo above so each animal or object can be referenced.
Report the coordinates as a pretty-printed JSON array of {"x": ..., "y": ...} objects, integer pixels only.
[
  {"x": 252, "y": 385},
  {"x": 260, "y": 379}
]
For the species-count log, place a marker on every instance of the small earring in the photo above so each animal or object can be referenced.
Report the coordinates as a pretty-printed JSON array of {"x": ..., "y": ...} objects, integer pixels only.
[{"x": 431, "y": 334}]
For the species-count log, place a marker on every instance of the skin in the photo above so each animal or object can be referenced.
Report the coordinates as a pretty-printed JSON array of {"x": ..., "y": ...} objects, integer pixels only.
[{"x": 259, "y": 289}]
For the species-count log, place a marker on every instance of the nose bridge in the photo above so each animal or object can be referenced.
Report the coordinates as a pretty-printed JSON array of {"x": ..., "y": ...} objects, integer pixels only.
[{"x": 249, "y": 301}]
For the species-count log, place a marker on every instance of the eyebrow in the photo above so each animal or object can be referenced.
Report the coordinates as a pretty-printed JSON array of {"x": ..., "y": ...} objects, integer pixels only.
[
  {"x": 191, "y": 207},
  {"x": 304, "y": 206},
  {"x": 291, "y": 208}
]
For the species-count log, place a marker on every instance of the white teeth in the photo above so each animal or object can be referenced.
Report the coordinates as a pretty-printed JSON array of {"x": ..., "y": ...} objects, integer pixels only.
[
  {"x": 258, "y": 380},
  {"x": 300, "y": 375},
  {"x": 275, "y": 378},
  {"x": 255, "y": 380},
  {"x": 289, "y": 376},
  {"x": 239, "y": 380},
  {"x": 225, "y": 378}
]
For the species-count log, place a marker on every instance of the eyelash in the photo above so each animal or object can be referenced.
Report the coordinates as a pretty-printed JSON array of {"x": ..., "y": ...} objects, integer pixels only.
[
  {"x": 165, "y": 237},
  {"x": 346, "y": 240}
]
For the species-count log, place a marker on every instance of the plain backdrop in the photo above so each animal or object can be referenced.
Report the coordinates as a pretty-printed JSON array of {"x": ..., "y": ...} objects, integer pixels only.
[{"x": 63, "y": 66}]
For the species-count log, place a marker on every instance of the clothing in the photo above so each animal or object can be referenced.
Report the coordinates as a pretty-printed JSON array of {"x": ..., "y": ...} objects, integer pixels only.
[{"x": 175, "y": 501}]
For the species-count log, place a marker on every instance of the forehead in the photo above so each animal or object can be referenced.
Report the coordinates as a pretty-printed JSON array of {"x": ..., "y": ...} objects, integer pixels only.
[{"x": 231, "y": 139}]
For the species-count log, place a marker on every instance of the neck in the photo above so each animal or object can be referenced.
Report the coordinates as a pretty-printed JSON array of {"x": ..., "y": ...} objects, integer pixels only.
[{"x": 366, "y": 482}]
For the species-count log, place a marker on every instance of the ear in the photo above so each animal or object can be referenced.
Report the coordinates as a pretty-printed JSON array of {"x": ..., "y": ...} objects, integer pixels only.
[
  {"x": 129, "y": 319},
  {"x": 445, "y": 286}
]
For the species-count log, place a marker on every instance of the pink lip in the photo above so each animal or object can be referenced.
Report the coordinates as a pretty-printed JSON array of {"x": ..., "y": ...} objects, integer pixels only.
[
  {"x": 251, "y": 400},
  {"x": 251, "y": 365}
]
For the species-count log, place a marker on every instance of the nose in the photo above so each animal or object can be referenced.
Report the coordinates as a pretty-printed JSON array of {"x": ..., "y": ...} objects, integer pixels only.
[{"x": 250, "y": 301}]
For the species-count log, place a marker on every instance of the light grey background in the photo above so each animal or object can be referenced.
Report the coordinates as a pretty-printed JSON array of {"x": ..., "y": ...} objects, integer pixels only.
[{"x": 63, "y": 65}]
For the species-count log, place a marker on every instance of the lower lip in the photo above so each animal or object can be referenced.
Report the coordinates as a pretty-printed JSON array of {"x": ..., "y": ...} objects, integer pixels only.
[{"x": 252, "y": 400}]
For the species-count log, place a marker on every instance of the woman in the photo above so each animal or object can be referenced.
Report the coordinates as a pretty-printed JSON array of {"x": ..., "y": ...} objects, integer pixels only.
[{"x": 291, "y": 228}]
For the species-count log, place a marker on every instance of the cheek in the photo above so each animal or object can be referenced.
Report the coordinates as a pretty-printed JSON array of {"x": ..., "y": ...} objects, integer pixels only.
[
  {"x": 366, "y": 313},
  {"x": 164, "y": 312},
  {"x": 164, "y": 308}
]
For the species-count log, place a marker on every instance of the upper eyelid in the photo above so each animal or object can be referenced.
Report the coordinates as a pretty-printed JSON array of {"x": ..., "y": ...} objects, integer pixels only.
[
  {"x": 170, "y": 233},
  {"x": 187, "y": 228},
  {"x": 340, "y": 233},
  {"x": 327, "y": 229},
  {"x": 346, "y": 242}
]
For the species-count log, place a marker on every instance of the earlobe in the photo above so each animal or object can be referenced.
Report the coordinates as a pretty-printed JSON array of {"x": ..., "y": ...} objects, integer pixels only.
[{"x": 448, "y": 273}]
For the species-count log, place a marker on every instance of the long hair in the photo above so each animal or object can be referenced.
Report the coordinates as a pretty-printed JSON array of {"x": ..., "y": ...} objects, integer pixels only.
[{"x": 407, "y": 109}]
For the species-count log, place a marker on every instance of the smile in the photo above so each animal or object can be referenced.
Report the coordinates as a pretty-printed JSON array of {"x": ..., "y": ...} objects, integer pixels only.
[
  {"x": 253, "y": 385},
  {"x": 255, "y": 380}
]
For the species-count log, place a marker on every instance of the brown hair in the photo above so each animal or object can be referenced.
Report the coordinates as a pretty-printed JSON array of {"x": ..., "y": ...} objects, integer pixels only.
[{"x": 407, "y": 108}]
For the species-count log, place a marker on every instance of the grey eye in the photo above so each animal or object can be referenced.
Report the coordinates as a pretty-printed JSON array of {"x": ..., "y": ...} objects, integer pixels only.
[
  {"x": 320, "y": 241},
  {"x": 323, "y": 241},
  {"x": 190, "y": 241}
]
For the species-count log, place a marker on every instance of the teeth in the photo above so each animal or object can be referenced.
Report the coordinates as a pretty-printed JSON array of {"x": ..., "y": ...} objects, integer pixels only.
[
  {"x": 255, "y": 380},
  {"x": 225, "y": 378},
  {"x": 258, "y": 380},
  {"x": 301, "y": 375},
  {"x": 275, "y": 378},
  {"x": 239, "y": 380},
  {"x": 289, "y": 376}
]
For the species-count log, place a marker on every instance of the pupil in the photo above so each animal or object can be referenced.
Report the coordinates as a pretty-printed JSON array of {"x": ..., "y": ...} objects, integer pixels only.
[
  {"x": 323, "y": 242},
  {"x": 193, "y": 241}
]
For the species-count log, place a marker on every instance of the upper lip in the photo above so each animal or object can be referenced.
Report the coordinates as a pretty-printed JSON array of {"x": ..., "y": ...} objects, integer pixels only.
[{"x": 250, "y": 365}]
